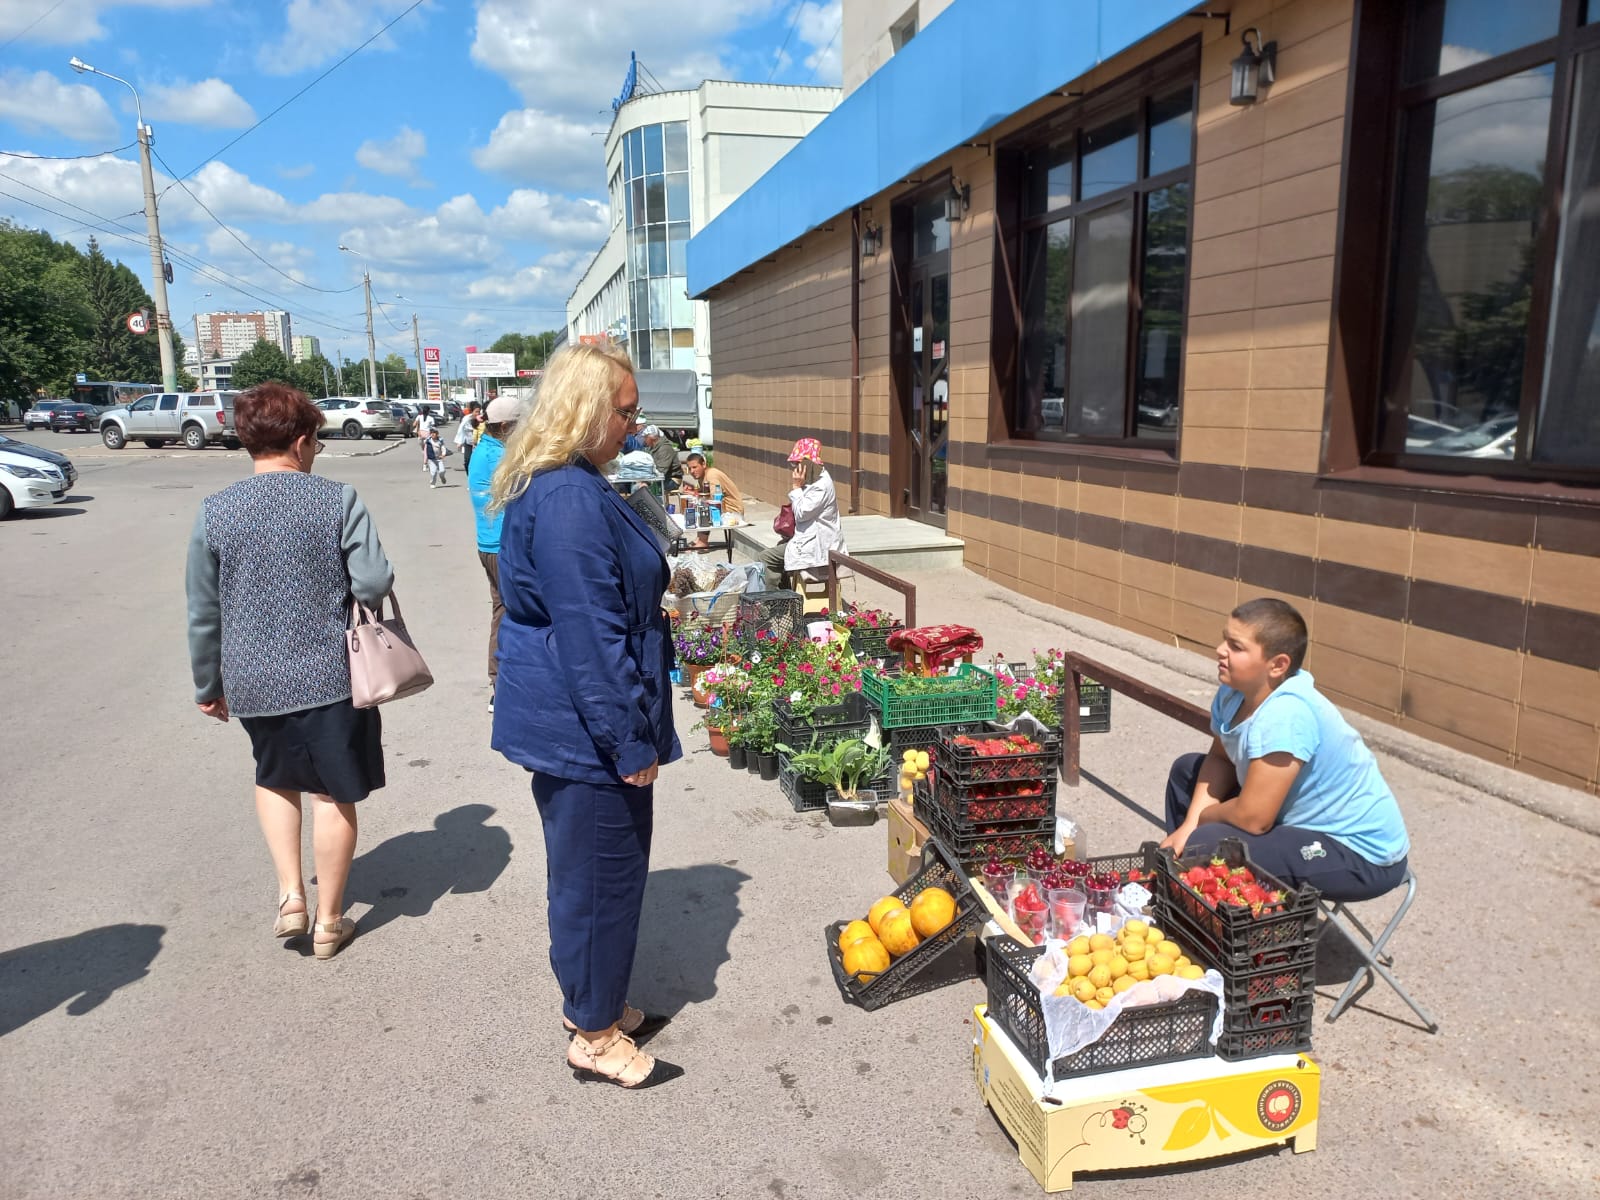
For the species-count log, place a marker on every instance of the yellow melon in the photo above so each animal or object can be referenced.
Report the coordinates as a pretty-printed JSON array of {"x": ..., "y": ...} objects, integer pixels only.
[
  {"x": 887, "y": 904},
  {"x": 897, "y": 933},
  {"x": 865, "y": 959},
  {"x": 932, "y": 910},
  {"x": 854, "y": 932}
]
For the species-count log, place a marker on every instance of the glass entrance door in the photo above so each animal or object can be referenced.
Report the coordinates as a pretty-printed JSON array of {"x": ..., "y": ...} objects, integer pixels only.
[{"x": 929, "y": 419}]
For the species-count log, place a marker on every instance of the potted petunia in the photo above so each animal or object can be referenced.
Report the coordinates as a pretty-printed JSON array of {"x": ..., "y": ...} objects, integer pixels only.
[{"x": 697, "y": 649}]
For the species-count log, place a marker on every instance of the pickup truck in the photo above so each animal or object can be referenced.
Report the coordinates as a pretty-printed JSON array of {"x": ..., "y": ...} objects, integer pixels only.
[{"x": 197, "y": 419}]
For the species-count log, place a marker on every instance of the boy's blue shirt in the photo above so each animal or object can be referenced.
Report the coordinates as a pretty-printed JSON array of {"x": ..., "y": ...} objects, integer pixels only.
[
  {"x": 1339, "y": 790},
  {"x": 480, "y": 475}
]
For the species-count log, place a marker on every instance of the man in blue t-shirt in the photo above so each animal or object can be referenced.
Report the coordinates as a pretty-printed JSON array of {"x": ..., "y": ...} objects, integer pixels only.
[
  {"x": 1286, "y": 774},
  {"x": 498, "y": 423}
]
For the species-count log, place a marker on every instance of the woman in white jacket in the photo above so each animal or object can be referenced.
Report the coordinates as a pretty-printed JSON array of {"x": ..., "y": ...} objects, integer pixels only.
[{"x": 816, "y": 515}]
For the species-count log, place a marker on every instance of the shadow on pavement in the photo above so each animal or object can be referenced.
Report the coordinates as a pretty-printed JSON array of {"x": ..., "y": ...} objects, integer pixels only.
[
  {"x": 406, "y": 875},
  {"x": 689, "y": 915},
  {"x": 1126, "y": 801},
  {"x": 85, "y": 969},
  {"x": 45, "y": 514}
]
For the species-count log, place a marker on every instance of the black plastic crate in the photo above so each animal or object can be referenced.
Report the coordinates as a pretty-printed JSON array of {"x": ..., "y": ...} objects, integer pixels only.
[
  {"x": 1094, "y": 707},
  {"x": 1291, "y": 1036},
  {"x": 1299, "y": 953},
  {"x": 770, "y": 616},
  {"x": 923, "y": 737},
  {"x": 1141, "y": 1036},
  {"x": 851, "y": 717},
  {"x": 1269, "y": 1015},
  {"x": 869, "y": 643},
  {"x": 965, "y": 765},
  {"x": 1237, "y": 938},
  {"x": 807, "y": 795},
  {"x": 974, "y": 846},
  {"x": 967, "y": 805},
  {"x": 947, "y": 957}
]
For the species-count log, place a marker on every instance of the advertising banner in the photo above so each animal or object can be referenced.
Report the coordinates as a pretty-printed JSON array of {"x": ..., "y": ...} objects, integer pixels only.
[
  {"x": 491, "y": 366},
  {"x": 430, "y": 373}
]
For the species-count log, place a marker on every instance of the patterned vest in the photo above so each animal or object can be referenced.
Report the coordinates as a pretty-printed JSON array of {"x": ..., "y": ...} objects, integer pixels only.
[{"x": 283, "y": 590}]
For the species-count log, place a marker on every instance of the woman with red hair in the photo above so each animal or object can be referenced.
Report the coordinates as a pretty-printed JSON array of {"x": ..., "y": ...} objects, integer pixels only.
[{"x": 273, "y": 562}]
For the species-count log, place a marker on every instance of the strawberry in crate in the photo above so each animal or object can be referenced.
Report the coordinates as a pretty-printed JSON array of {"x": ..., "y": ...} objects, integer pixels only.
[{"x": 1237, "y": 887}]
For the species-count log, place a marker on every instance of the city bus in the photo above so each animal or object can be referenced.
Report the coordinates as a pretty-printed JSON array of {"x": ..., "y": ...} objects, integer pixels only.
[{"x": 109, "y": 395}]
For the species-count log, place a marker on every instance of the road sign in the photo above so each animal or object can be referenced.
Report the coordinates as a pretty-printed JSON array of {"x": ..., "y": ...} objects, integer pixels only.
[
  {"x": 138, "y": 323},
  {"x": 82, "y": 378},
  {"x": 491, "y": 366}
]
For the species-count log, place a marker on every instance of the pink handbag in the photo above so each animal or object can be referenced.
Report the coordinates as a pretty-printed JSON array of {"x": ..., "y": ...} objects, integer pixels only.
[{"x": 384, "y": 663}]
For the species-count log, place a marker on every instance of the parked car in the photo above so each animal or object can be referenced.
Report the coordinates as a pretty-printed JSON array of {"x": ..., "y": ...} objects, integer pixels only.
[
  {"x": 197, "y": 419},
  {"x": 74, "y": 418},
  {"x": 357, "y": 416},
  {"x": 402, "y": 418},
  {"x": 38, "y": 417},
  {"x": 32, "y": 477}
]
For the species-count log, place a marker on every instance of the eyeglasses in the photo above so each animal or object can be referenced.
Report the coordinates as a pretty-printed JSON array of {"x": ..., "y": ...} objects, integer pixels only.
[
  {"x": 318, "y": 446},
  {"x": 632, "y": 414}
]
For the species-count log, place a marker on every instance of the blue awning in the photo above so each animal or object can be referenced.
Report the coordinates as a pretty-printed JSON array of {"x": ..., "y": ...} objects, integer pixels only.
[{"x": 976, "y": 64}]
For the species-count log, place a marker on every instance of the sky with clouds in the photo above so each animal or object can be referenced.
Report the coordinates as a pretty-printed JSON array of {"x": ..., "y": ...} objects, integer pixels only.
[{"x": 459, "y": 156}]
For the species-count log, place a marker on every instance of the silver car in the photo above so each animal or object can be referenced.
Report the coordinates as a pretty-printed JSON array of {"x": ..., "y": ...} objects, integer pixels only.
[{"x": 357, "y": 416}]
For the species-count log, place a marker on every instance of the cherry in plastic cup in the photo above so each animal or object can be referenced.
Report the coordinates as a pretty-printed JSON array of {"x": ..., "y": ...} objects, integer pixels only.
[
  {"x": 1101, "y": 899},
  {"x": 1066, "y": 911}
]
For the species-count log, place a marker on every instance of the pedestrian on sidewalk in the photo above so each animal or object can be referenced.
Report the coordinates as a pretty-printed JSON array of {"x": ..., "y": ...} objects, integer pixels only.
[
  {"x": 272, "y": 562},
  {"x": 467, "y": 434},
  {"x": 815, "y": 508},
  {"x": 480, "y": 468},
  {"x": 583, "y": 699},
  {"x": 433, "y": 452}
]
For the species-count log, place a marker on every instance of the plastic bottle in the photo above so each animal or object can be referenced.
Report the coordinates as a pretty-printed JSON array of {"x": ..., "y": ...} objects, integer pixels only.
[
  {"x": 716, "y": 494},
  {"x": 716, "y": 514}
]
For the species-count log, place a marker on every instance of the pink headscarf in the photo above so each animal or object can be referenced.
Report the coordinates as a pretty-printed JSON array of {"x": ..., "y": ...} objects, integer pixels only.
[{"x": 807, "y": 450}]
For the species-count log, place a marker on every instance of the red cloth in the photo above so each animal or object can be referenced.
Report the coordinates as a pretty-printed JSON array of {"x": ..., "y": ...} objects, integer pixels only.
[{"x": 939, "y": 644}]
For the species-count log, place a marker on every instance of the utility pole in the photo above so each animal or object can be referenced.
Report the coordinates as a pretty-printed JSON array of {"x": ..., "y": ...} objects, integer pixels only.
[
  {"x": 416, "y": 344},
  {"x": 372, "y": 347},
  {"x": 158, "y": 261}
]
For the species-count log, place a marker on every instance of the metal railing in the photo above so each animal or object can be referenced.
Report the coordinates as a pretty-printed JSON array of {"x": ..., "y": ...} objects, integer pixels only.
[
  {"x": 877, "y": 575},
  {"x": 1165, "y": 703}
]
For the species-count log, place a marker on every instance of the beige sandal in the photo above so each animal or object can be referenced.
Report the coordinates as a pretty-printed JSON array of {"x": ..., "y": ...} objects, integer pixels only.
[
  {"x": 344, "y": 927},
  {"x": 291, "y": 924},
  {"x": 660, "y": 1072},
  {"x": 636, "y": 1024}
]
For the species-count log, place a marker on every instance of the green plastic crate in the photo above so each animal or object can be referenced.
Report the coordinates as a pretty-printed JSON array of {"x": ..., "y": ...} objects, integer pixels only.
[{"x": 975, "y": 701}]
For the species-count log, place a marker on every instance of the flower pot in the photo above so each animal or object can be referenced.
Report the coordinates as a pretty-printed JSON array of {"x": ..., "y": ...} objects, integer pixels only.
[
  {"x": 752, "y": 761},
  {"x": 768, "y": 766},
  {"x": 719, "y": 742},
  {"x": 736, "y": 757},
  {"x": 702, "y": 696},
  {"x": 691, "y": 672},
  {"x": 863, "y": 810}
]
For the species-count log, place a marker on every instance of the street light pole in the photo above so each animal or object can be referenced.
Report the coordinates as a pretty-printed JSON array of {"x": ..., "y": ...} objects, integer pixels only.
[
  {"x": 199, "y": 346},
  {"x": 158, "y": 266},
  {"x": 372, "y": 346}
]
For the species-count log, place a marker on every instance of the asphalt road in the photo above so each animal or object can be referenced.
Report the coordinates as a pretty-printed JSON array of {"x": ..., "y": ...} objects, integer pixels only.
[{"x": 155, "y": 1041}]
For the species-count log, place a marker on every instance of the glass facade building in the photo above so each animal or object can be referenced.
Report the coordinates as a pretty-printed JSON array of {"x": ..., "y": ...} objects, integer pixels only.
[{"x": 655, "y": 204}]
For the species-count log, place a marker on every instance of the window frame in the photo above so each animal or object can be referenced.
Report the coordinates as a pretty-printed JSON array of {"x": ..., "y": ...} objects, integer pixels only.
[
  {"x": 1367, "y": 418},
  {"x": 1133, "y": 93}
]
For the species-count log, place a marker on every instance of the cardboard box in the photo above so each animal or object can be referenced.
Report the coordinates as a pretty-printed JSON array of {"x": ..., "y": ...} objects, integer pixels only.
[
  {"x": 907, "y": 836},
  {"x": 1146, "y": 1116}
]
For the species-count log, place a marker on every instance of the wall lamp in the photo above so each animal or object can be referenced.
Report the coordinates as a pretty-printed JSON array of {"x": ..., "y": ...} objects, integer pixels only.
[
  {"x": 871, "y": 239},
  {"x": 1253, "y": 69},
  {"x": 957, "y": 200}
]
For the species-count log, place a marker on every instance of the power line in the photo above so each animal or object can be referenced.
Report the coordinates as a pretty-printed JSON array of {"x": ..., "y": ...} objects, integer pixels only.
[
  {"x": 31, "y": 24},
  {"x": 65, "y": 157},
  {"x": 228, "y": 146},
  {"x": 251, "y": 250},
  {"x": 823, "y": 53},
  {"x": 794, "y": 19}
]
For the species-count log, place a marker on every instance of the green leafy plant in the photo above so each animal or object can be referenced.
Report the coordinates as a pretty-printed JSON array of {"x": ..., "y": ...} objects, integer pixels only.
[{"x": 845, "y": 766}]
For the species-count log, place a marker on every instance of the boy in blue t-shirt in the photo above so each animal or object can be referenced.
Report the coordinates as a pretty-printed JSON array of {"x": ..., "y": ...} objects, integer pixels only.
[{"x": 1286, "y": 774}]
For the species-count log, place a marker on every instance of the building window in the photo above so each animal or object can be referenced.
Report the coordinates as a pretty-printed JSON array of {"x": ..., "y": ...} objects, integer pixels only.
[
  {"x": 656, "y": 202},
  {"x": 1491, "y": 334},
  {"x": 1101, "y": 204}
]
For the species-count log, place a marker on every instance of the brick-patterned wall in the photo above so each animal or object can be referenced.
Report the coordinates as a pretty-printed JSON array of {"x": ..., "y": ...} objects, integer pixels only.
[{"x": 1472, "y": 621}]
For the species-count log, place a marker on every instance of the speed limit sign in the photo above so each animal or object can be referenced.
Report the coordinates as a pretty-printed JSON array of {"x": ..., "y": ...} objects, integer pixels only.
[{"x": 138, "y": 323}]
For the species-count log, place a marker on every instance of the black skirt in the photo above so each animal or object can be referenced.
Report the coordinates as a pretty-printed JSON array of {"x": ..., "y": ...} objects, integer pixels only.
[{"x": 334, "y": 750}]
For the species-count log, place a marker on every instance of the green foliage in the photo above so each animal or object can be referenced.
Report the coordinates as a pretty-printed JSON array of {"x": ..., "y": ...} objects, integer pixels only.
[
  {"x": 262, "y": 363},
  {"x": 63, "y": 311},
  {"x": 531, "y": 349},
  {"x": 845, "y": 766}
]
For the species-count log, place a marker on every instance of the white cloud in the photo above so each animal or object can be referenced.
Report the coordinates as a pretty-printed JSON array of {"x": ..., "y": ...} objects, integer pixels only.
[
  {"x": 73, "y": 22},
  {"x": 530, "y": 146},
  {"x": 318, "y": 31},
  {"x": 534, "y": 216},
  {"x": 41, "y": 103},
  {"x": 818, "y": 26},
  {"x": 572, "y": 62},
  {"x": 232, "y": 195},
  {"x": 335, "y": 208},
  {"x": 210, "y": 102},
  {"x": 301, "y": 171},
  {"x": 551, "y": 280},
  {"x": 397, "y": 157}
]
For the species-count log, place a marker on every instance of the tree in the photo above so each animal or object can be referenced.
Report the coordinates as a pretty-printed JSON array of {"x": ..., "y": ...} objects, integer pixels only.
[
  {"x": 531, "y": 349},
  {"x": 261, "y": 363},
  {"x": 316, "y": 376},
  {"x": 113, "y": 292},
  {"x": 44, "y": 319}
]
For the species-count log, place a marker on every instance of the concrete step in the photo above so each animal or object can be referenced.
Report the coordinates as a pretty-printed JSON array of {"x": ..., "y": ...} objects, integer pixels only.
[{"x": 893, "y": 543}]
